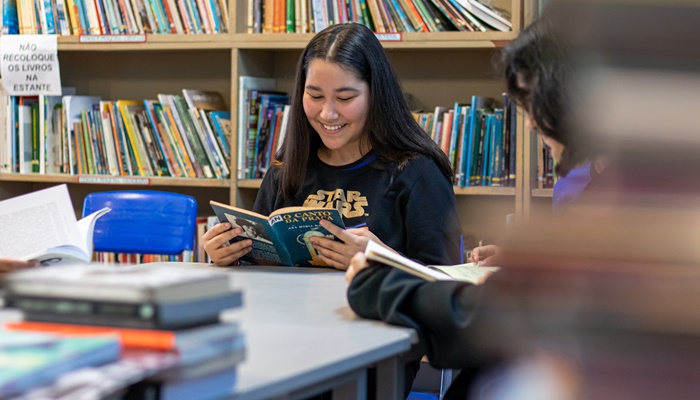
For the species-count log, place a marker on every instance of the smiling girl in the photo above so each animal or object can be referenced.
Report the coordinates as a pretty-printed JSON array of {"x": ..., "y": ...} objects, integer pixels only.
[{"x": 352, "y": 144}]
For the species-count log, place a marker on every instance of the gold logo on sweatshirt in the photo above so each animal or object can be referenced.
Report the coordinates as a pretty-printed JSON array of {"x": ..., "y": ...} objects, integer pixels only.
[{"x": 351, "y": 205}]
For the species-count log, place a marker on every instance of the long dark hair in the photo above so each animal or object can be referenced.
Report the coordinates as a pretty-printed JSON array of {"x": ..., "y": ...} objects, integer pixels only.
[
  {"x": 539, "y": 59},
  {"x": 392, "y": 132}
]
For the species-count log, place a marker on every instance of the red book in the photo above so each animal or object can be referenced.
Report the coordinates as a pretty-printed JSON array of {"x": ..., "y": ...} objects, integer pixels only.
[{"x": 137, "y": 338}]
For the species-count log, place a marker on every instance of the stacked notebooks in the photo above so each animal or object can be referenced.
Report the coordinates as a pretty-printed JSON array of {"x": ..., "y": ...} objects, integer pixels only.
[{"x": 165, "y": 316}]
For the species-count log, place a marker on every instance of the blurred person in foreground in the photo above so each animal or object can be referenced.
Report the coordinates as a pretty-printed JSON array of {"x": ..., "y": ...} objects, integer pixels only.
[{"x": 536, "y": 68}]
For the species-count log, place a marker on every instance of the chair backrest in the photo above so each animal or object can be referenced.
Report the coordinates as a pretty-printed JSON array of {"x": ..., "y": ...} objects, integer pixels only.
[{"x": 143, "y": 221}]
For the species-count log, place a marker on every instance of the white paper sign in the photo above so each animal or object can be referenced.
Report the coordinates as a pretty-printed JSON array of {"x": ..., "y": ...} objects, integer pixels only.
[{"x": 29, "y": 65}]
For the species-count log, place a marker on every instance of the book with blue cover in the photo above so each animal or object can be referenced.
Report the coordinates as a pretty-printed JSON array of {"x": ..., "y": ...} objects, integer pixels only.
[
  {"x": 283, "y": 237},
  {"x": 10, "y": 21},
  {"x": 25, "y": 364},
  {"x": 137, "y": 315}
]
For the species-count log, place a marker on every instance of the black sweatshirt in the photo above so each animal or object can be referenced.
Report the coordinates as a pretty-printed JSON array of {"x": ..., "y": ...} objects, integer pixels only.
[{"x": 412, "y": 209}]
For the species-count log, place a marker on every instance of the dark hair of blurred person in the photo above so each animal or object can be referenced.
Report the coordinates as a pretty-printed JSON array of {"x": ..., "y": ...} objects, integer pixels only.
[{"x": 537, "y": 67}]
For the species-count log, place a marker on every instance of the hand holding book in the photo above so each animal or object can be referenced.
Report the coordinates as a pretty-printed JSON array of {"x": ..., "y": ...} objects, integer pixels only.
[
  {"x": 282, "y": 238},
  {"x": 470, "y": 272},
  {"x": 337, "y": 254}
]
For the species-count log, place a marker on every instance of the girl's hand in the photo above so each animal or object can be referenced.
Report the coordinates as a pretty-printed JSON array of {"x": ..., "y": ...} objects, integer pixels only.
[
  {"x": 485, "y": 255},
  {"x": 358, "y": 262},
  {"x": 9, "y": 265},
  {"x": 336, "y": 254},
  {"x": 216, "y": 244}
]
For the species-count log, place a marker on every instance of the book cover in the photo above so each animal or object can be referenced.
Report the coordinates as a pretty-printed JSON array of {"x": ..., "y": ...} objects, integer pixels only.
[
  {"x": 128, "y": 110},
  {"x": 470, "y": 272},
  {"x": 138, "y": 315},
  {"x": 189, "y": 131},
  {"x": 50, "y": 109},
  {"x": 73, "y": 106},
  {"x": 146, "y": 339},
  {"x": 10, "y": 22},
  {"x": 221, "y": 126},
  {"x": 254, "y": 101},
  {"x": 42, "y": 226},
  {"x": 174, "y": 162},
  {"x": 268, "y": 103},
  {"x": 222, "y": 361},
  {"x": 216, "y": 385},
  {"x": 24, "y": 366},
  {"x": 157, "y": 283},
  {"x": 245, "y": 85},
  {"x": 283, "y": 237}
]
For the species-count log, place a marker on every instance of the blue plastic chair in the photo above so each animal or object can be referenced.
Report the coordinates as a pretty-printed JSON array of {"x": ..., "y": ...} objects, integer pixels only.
[{"x": 143, "y": 221}]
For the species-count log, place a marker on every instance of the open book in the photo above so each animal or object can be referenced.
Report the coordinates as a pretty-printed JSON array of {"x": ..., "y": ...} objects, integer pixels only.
[
  {"x": 470, "y": 272},
  {"x": 283, "y": 237},
  {"x": 42, "y": 226}
]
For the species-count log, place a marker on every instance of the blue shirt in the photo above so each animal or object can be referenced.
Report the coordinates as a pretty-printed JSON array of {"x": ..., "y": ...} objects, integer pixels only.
[{"x": 569, "y": 187}]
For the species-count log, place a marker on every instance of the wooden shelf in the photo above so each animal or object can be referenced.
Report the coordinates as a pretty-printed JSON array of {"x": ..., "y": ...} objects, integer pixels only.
[
  {"x": 542, "y": 192},
  {"x": 116, "y": 180},
  {"x": 153, "y": 42},
  {"x": 484, "y": 191},
  {"x": 291, "y": 41},
  {"x": 411, "y": 40},
  {"x": 459, "y": 191},
  {"x": 249, "y": 184}
]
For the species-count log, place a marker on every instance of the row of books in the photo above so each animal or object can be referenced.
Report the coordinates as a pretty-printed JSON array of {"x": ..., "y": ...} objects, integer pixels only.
[
  {"x": 170, "y": 314},
  {"x": 478, "y": 139},
  {"x": 197, "y": 256},
  {"x": 546, "y": 177},
  {"x": 263, "y": 116},
  {"x": 113, "y": 17},
  {"x": 304, "y": 16},
  {"x": 178, "y": 136}
]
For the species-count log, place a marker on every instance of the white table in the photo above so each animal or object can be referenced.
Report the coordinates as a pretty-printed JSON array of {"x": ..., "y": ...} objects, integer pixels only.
[{"x": 302, "y": 338}]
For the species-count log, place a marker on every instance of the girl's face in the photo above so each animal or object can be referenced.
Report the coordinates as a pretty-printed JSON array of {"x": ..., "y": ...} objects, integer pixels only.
[{"x": 336, "y": 102}]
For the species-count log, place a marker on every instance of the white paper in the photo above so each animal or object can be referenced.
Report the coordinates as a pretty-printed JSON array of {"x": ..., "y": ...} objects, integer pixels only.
[
  {"x": 86, "y": 226},
  {"x": 29, "y": 65},
  {"x": 375, "y": 251},
  {"x": 37, "y": 221}
]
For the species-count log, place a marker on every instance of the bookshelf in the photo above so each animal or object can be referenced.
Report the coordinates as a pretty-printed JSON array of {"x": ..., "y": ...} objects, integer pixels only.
[
  {"x": 170, "y": 62},
  {"x": 536, "y": 202}
]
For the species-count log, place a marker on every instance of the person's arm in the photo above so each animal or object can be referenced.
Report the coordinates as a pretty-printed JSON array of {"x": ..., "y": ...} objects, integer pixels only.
[
  {"x": 440, "y": 312},
  {"x": 8, "y": 265}
]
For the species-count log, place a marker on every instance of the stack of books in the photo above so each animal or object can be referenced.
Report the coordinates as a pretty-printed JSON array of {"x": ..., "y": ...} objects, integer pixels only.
[
  {"x": 29, "y": 359},
  {"x": 164, "y": 312}
]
